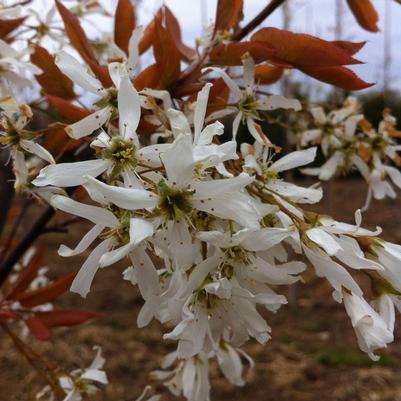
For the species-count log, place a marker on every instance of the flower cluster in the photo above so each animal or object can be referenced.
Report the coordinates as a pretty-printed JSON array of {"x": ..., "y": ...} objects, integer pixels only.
[
  {"x": 211, "y": 233},
  {"x": 349, "y": 142},
  {"x": 208, "y": 226}
]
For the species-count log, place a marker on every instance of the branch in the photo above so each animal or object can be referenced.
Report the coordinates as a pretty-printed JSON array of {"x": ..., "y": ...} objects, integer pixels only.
[
  {"x": 251, "y": 25},
  {"x": 7, "y": 266}
]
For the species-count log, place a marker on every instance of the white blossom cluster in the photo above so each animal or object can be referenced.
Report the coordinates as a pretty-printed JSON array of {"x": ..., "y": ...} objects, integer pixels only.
[
  {"x": 210, "y": 229},
  {"x": 349, "y": 142}
]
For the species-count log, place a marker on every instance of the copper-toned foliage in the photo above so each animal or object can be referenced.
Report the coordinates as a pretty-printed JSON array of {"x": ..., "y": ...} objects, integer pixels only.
[
  {"x": 228, "y": 14},
  {"x": 321, "y": 59},
  {"x": 9, "y": 25},
  {"x": 338, "y": 76},
  {"x": 75, "y": 33},
  {"x": 231, "y": 53},
  {"x": 167, "y": 57},
  {"x": 124, "y": 23},
  {"x": 52, "y": 80},
  {"x": 42, "y": 295},
  {"x": 299, "y": 49},
  {"x": 268, "y": 74},
  {"x": 365, "y": 14},
  {"x": 173, "y": 27},
  {"x": 64, "y": 317}
]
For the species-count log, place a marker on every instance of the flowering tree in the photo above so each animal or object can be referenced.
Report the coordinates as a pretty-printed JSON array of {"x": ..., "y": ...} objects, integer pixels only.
[{"x": 163, "y": 148}]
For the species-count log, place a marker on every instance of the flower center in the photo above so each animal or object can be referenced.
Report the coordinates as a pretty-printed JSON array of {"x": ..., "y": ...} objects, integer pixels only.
[
  {"x": 249, "y": 106},
  {"x": 174, "y": 203}
]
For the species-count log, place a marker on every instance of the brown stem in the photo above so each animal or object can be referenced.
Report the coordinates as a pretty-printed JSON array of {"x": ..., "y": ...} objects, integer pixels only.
[
  {"x": 255, "y": 22},
  {"x": 33, "y": 360}
]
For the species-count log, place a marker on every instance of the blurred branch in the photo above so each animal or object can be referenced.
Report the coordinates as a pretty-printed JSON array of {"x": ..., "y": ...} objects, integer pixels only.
[
  {"x": 255, "y": 22},
  {"x": 6, "y": 194}
]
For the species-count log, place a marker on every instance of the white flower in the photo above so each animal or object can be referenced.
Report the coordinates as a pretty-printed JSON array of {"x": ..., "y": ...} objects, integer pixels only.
[
  {"x": 190, "y": 378},
  {"x": 15, "y": 72},
  {"x": 257, "y": 160},
  {"x": 247, "y": 105},
  {"x": 371, "y": 330},
  {"x": 124, "y": 234},
  {"x": 82, "y": 381},
  {"x": 180, "y": 191}
]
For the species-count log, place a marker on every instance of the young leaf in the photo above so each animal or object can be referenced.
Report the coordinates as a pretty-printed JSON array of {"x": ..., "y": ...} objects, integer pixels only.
[
  {"x": 75, "y": 32},
  {"x": 9, "y": 25},
  {"x": 350, "y": 47},
  {"x": 124, "y": 24},
  {"x": 52, "y": 80},
  {"x": 298, "y": 49},
  {"x": 27, "y": 275},
  {"x": 167, "y": 57},
  {"x": 228, "y": 14},
  {"x": 67, "y": 109},
  {"x": 365, "y": 14},
  {"x": 64, "y": 317},
  {"x": 231, "y": 53},
  {"x": 46, "y": 294},
  {"x": 174, "y": 29},
  {"x": 268, "y": 74},
  {"x": 37, "y": 328},
  {"x": 148, "y": 78},
  {"x": 149, "y": 32},
  {"x": 337, "y": 76}
]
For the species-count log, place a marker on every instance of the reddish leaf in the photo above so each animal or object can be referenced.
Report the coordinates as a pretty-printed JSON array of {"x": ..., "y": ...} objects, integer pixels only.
[
  {"x": 268, "y": 74},
  {"x": 9, "y": 25},
  {"x": 231, "y": 54},
  {"x": 101, "y": 72},
  {"x": 218, "y": 96},
  {"x": 64, "y": 317},
  {"x": 149, "y": 33},
  {"x": 338, "y": 76},
  {"x": 174, "y": 29},
  {"x": 37, "y": 328},
  {"x": 67, "y": 109},
  {"x": 26, "y": 276},
  {"x": 350, "y": 47},
  {"x": 228, "y": 14},
  {"x": 46, "y": 294},
  {"x": 7, "y": 314},
  {"x": 148, "y": 78},
  {"x": 57, "y": 142},
  {"x": 365, "y": 14},
  {"x": 75, "y": 33},
  {"x": 298, "y": 49},
  {"x": 52, "y": 80},
  {"x": 124, "y": 24},
  {"x": 167, "y": 57}
]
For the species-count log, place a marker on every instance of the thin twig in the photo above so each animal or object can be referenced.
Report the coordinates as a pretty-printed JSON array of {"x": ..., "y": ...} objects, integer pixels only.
[{"x": 255, "y": 22}]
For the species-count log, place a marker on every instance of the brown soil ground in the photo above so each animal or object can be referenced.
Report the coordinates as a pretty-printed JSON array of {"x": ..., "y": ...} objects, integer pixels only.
[{"x": 313, "y": 355}]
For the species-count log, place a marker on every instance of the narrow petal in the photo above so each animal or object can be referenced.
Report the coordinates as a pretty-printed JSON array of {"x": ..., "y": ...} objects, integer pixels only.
[
  {"x": 89, "y": 124},
  {"x": 84, "y": 278},
  {"x": 200, "y": 110},
  {"x": 126, "y": 198},
  {"x": 77, "y": 73},
  {"x": 37, "y": 150},
  {"x": 70, "y": 174},
  {"x": 294, "y": 160},
  {"x": 95, "y": 214}
]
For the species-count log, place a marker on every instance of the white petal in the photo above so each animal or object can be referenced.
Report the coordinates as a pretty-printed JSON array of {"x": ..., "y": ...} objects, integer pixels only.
[
  {"x": 84, "y": 278},
  {"x": 228, "y": 81},
  {"x": 85, "y": 242},
  {"x": 200, "y": 110},
  {"x": 37, "y": 150},
  {"x": 129, "y": 110},
  {"x": 179, "y": 169},
  {"x": 324, "y": 240},
  {"x": 294, "y": 160},
  {"x": 279, "y": 102},
  {"x": 77, "y": 73},
  {"x": 89, "y": 124},
  {"x": 70, "y": 174},
  {"x": 126, "y": 198},
  {"x": 95, "y": 214},
  {"x": 133, "y": 53}
]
